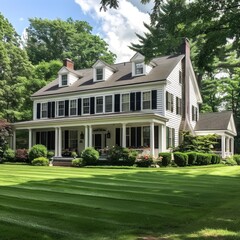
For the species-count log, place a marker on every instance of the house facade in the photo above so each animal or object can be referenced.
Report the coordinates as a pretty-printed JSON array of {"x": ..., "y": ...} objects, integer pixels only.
[{"x": 130, "y": 104}]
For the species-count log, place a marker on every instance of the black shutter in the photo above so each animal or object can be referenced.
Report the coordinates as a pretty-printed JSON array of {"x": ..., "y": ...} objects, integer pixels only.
[
  {"x": 49, "y": 140},
  {"x": 172, "y": 99},
  {"x": 167, "y": 106},
  {"x": 79, "y": 106},
  {"x": 117, "y": 103},
  {"x": 156, "y": 138},
  {"x": 92, "y": 105},
  {"x": 138, "y": 101},
  {"x": 66, "y": 139},
  {"x": 139, "y": 137},
  {"x": 154, "y": 99},
  {"x": 37, "y": 137},
  {"x": 49, "y": 109},
  {"x": 167, "y": 137},
  {"x": 53, "y": 110},
  {"x": 117, "y": 137},
  {"x": 132, "y": 101},
  {"x": 133, "y": 137},
  {"x": 38, "y": 110},
  {"x": 52, "y": 140},
  {"x": 66, "y": 108}
]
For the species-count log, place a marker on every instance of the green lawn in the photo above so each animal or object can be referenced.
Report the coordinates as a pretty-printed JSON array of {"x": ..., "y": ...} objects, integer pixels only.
[{"x": 97, "y": 203}]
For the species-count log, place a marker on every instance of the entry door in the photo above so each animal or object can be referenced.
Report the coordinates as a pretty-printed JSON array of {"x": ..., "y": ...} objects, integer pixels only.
[{"x": 98, "y": 141}]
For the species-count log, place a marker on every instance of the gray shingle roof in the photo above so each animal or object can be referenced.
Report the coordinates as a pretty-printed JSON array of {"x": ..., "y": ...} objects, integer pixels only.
[
  {"x": 122, "y": 77},
  {"x": 213, "y": 121}
]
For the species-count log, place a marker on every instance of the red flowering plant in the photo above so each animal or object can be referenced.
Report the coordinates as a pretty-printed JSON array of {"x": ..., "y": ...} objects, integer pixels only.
[{"x": 145, "y": 160}]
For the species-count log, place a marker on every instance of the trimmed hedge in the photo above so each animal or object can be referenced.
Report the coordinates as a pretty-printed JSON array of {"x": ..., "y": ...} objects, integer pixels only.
[
  {"x": 9, "y": 155},
  {"x": 37, "y": 151},
  {"x": 90, "y": 156},
  {"x": 41, "y": 161},
  {"x": 203, "y": 159},
  {"x": 192, "y": 158},
  {"x": 215, "y": 159},
  {"x": 236, "y": 157},
  {"x": 78, "y": 162},
  {"x": 166, "y": 158},
  {"x": 181, "y": 159}
]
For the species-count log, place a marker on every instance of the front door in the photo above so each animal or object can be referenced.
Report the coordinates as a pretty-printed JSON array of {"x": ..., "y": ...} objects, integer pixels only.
[{"x": 98, "y": 141}]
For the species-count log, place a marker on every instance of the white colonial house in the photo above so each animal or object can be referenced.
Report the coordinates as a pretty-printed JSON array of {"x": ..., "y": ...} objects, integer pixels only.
[{"x": 130, "y": 104}]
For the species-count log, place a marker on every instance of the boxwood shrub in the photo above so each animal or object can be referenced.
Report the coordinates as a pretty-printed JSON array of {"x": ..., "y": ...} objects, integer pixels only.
[
  {"x": 203, "y": 159},
  {"x": 90, "y": 156},
  {"x": 9, "y": 155},
  {"x": 78, "y": 162},
  {"x": 41, "y": 161},
  {"x": 215, "y": 159},
  {"x": 37, "y": 151},
  {"x": 166, "y": 158},
  {"x": 181, "y": 159},
  {"x": 236, "y": 157},
  {"x": 192, "y": 158}
]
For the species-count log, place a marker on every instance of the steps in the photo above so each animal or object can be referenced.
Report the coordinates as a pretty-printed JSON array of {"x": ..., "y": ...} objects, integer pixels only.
[{"x": 62, "y": 161}]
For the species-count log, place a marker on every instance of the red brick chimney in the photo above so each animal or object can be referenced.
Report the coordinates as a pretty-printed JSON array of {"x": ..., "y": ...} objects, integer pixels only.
[{"x": 68, "y": 63}]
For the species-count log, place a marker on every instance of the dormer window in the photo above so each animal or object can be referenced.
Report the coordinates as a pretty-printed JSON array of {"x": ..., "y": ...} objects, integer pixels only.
[
  {"x": 139, "y": 68},
  {"x": 99, "y": 74},
  {"x": 64, "y": 80}
]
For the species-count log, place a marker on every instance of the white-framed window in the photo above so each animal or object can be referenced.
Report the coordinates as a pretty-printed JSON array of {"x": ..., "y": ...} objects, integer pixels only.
[
  {"x": 99, "y": 104},
  {"x": 73, "y": 107},
  {"x": 125, "y": 102},
  {"x": 60, "y": 108},
  {"x": 180, "y": 76},
  {"x": 64, "y": 80},
  {"x": 170, "y": 135},
  {"x": 99, "y": 74},
  {"x": 73, "y": 139},
  {"x": 146, "y": 100},
  {"x": 146, "y": 136},
  {"x": 178, "y": 106},
  {"x": 139, "y": 68},
  {"x": 169, "y": 101},
  {"x": 44, "y": 110},
  {"x": 108, "y": 104},
  {"x": 86, "y": 106}
]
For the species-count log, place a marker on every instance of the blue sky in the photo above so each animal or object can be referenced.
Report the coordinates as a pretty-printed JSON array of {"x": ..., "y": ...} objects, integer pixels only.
[{"x": 117, "y": 27}]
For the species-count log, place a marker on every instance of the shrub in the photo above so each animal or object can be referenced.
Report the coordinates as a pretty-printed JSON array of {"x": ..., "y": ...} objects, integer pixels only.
[
  {"x": 50, "y": 155},
  {"x": 192, "y": 158},
  {"x": 181, "y": 159},
  {"x": 166, "y": 158},
  {"x": 90, "y": 156},
  {"x": 78, "y": 162},
  {"x": 116, "y": 153},
  {"x": 144, "y": 161},
  {"x": 21, "y": 155},
  {"x": 41, "y": 161},
  {"x": 9, "y": 155},
  {"x": 203, "y": 159},
  {"x": 73, "y": 154},
  {"x": 37, "y": 151},
  {"x": 230, "y": 161},
  {"x": 215, "y": 158},
  {"x": 236, "y": 157}
]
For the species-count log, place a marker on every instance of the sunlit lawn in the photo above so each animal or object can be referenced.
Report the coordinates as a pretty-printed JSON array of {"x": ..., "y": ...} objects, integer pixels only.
[{"x": 103, "y": 203}]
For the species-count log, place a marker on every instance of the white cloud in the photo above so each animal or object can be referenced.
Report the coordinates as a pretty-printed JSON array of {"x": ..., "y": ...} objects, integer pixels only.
[{"x": 117, "y": 27}]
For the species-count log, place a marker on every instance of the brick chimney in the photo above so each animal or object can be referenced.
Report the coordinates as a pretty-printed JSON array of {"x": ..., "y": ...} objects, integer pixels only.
[{"x": 68, "y": 63}]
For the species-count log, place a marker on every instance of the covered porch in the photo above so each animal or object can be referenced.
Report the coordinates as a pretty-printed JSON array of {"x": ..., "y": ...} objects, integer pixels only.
[{"x": 144, "y": 132}]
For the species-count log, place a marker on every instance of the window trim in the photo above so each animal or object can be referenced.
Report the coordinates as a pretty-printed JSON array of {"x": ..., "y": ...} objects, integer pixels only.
[
  {"x": 170, "y": 106},
  {"x": 88, "y": 106},
  {"x": 75, "y": 99},
  {"x": 135, "y": 68},
  {"x": 102, "y": 105},
  {"x": 178, "y": 106},
  {"x": 150, "y": 100},
  {"x": 64, "y": 75},
  {"x": 128, "y": 102},
  {"x": 112, "y": 96},
  {"x": 57, "y": 108},
  {"x": 45, "y": 110},
  {"x": 96, "y": 74}
]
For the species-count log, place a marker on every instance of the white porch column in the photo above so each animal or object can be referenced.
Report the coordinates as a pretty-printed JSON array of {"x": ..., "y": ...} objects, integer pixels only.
[
  {"x": 85, "y": 137},
  {"x": 124, "y": 135},
  {"x": 14, "y": 140},
  {"x": 56, "y": 142},
  {"x": 232, "y": 147},
  {"x": 29, "y": 138},
  {"x": 152, "y": 149},
  {"x": 223, "y": 146},
  {"x": 163, "y": 138},
  {"x": 160, "y": 138},
  {"x": 90, "y": 136},
  {"x": 227, "y": 146},
  {"x": 59, "y": 142}
]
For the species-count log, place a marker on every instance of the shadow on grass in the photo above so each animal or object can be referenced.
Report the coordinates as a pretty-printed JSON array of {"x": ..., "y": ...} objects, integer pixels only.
[{"x": 120, "y": 204}]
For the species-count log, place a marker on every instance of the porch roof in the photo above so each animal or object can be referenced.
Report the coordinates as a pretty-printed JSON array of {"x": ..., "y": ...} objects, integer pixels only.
[{"x": 116, "y": 118}]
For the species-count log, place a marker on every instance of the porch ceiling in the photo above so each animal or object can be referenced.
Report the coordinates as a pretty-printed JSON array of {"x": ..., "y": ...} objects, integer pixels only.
[{"x": 119, "y": 118}]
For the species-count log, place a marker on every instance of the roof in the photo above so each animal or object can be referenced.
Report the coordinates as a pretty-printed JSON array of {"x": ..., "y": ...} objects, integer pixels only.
[
  {"x": 122, "y": 77},
  {"x": 213, "y": 121}
]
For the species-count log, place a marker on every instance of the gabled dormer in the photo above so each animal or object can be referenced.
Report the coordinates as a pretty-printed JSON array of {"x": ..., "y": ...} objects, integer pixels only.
[
  {"x": 102, "y": 71},
  {"x": 138, "y": 65},
  {"x": 67, "y": 75}
]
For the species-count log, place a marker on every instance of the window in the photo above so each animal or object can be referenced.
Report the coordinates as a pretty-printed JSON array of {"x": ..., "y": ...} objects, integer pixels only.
[
  {"x": 108, "y": 104},
  {"x": 86, "y": 106},
  {"x": 125, "y": 102},
  {"x": 61, "y": 108},
  {"x": 178, "y": 105},
  {"x": 194, "y": 113},
  {"x": 44, "y": 110},
  {"x": 138, "y": 68},
  {"x": 99, "y": 104},
  {"x": 146, "y": 136},
  {"x": 169, "y": 101},
  {"x": 170, "y": 134},
  {"x": 180, "y": 77},
  {"x": 64, "y": 80},
  {"x": 73, "y": 107},
  {"x": 73, "y": 139},
  {"x": 99, "y": 74},
  {"x": 146, "y": 104}
]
